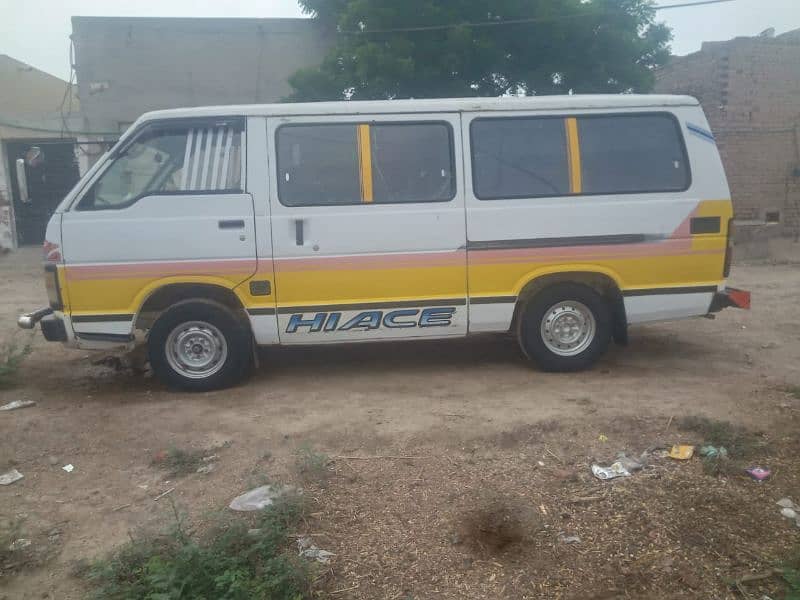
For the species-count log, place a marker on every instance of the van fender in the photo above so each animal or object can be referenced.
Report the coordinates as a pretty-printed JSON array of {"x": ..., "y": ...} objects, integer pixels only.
[{"x": 603, "y": 280}]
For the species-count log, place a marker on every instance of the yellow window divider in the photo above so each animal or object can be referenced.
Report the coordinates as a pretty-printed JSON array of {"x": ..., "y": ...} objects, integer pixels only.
[
  {"x": 574, "y": 155},
  {"x": 365, "y": 163}
]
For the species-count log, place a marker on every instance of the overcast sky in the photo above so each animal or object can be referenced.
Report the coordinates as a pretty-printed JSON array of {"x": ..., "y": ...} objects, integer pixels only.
[{"x": 37, "y": 31}]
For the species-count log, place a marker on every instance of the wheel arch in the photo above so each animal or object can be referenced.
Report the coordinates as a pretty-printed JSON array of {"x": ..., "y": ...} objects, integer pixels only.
[
  {"x": 604, "y": 281},
  {"x": 158, "y": 298}
]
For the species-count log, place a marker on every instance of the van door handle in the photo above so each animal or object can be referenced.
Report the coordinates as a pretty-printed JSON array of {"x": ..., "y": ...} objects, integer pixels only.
[
  {"x": 298, "y": 232},
  {"x": 231, "y": 224}
]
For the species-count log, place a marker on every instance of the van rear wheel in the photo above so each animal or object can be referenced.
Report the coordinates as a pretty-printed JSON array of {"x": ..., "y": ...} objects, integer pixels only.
[
  {"x": 199, "y": 345},
  {"x": 566, "y": 327}
]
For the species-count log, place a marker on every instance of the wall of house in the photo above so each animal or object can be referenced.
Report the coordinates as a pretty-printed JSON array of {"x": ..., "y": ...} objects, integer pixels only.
[
  {"x": 128, "y": 66},
  {"x": 33, "y": 106},
  {"x": 750, "y": 91}
]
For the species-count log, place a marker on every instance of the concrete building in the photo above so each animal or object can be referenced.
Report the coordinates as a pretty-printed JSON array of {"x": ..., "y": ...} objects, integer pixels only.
[
  {"x": 750, "y": 90},
  {"x": 125, "y": 67},
  {"x": 128, "y": 66},
  {"x": 38, "y": 121}
]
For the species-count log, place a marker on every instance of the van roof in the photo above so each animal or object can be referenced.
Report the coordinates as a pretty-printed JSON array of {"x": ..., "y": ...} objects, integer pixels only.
[{"x": 574, "y": 102}]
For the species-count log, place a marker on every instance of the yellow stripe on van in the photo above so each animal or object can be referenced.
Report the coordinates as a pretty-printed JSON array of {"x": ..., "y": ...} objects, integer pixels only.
[
  {"x": 574, "y": 155},
  {"x": 365, "y": 163}
]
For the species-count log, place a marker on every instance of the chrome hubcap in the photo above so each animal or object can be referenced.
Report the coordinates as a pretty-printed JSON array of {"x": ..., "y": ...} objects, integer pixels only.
[
  {"x": 196, "y": 349},
  {"x": 568, "y": 328}
]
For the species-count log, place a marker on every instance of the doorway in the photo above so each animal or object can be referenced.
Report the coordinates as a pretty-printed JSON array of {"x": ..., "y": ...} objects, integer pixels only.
[{"x": 51, "y": 170}]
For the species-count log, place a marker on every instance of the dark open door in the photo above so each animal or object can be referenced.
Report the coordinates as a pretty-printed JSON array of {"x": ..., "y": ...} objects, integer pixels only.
[{"x": 51, "y": 170}]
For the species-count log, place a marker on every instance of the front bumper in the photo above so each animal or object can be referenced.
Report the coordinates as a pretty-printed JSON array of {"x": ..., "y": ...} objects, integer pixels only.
[
  {"x": 730, "y": 297},
  {"x": 29, "y": 320},
  {"x": 53, "y": 327}
]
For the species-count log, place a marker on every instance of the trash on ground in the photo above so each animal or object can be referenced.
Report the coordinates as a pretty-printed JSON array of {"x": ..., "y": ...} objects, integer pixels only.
[
  {"x": 789, "y": 513},
  {"x": 18, "y": 404},
  {"x": 603, "y": 437},
  {"x": 714, "y": 452},
  {"x": 68, "y": 468},
  {"x": 206, "y": 468},
  {"x": 681, "y": 452},
  {"x": 787, "y": 503},
  {"x": 211, "y": 458},
  {"x": 308, "y": 550},
  {"x": 260, "y": 497},
  {"x": 19, "y": 544},
  {"x": 568, "y": 539},
  {"x": 631, "y": 464},
  {"x": 614, "y": 470},
  {"x": 10, "y": 477},
  {"x": 758, "y": 473}
]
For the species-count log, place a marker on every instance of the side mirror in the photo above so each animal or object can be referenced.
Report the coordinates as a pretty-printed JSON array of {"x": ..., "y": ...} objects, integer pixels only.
[{"x": 22, "y": 181}]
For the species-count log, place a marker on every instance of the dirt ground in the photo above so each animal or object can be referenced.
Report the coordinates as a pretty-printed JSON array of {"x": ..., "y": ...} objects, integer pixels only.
[{"x": 499, "y": 467}]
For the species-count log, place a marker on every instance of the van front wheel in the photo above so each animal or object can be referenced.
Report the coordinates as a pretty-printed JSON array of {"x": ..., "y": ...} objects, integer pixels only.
[
  {"x": 566, "y": 327},
  {"x": 198, "y": 346}
]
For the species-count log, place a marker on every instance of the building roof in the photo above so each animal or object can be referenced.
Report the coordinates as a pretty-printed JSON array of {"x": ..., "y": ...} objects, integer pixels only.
[{"x": 540, "y": 103}]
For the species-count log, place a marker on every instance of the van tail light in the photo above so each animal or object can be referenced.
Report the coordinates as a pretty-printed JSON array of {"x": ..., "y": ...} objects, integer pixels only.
[{"x": 728, "y": 250}]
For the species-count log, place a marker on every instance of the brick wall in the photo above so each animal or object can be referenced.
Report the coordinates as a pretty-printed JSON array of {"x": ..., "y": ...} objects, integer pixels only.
[{"x": 750, "y": 91}]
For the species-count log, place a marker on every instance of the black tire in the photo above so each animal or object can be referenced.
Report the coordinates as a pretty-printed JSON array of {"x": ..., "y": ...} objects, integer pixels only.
[
  {"x": 529, "y": 331},
  {"x": 229, "y": 370}
]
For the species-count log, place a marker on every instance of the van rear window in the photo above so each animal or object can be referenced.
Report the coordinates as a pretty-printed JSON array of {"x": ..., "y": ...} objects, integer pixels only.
[
  {"x": 632, "y": 153},
  {"x": 531, "y": 157}
]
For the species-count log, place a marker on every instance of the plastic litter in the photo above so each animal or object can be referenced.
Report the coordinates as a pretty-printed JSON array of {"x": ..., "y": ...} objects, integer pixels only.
[
  {"x": 613, "y": 471},
  {"x": 18, "y": 404},
  {"x": 789, "y": 513},
  {"x": 68, "y": 468},
  {"x": 631, "y": 464},
  {"x": 714, "y": 452},
  {"x": 758, "y": 473},
  {"x": 568, "y": 539},
  {"x": 786, "y": 503},
  {"x": 19, "y": 544},
  {"x": 10, "y": 477},
  {"x": 260, "y": 497},
  {"x": 681, "y": 452},
  {"x": 308, "y": 550}
]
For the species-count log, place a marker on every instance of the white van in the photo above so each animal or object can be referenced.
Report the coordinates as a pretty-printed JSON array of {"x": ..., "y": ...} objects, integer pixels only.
[{"x": 559, "y": 219}]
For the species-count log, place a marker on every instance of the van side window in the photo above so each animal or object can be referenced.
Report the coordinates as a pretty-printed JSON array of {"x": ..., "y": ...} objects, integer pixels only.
[
  {"x": 318, "y": 165},
  {"x": 519, "y": 157},
  {"x": 412, "y": 162},
  {"x": 381, "y": 163},
  {"x": 170, "y": 160},
  {"x": 632, "y": 153}
]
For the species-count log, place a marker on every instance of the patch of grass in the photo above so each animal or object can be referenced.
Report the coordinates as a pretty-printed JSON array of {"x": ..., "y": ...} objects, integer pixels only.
[
  {"x": 11, "y": 357},
  {"x": 232, "y": 559},
  {"x": 9, "y": 532},
  {"x": 311, "y": 465},
  {"x": 791, "y": 575},
  {"x": 179, "y": 461},
  {"x": 740, "y": 442},
  {"x": 793, "y": 391}
]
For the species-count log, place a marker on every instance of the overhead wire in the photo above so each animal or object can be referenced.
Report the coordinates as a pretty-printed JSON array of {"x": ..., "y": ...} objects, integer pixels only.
[{"x": 499, "y": 23}]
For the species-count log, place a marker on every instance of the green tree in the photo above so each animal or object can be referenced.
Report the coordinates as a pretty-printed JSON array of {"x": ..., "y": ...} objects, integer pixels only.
[{"x": 580, "y": 45}]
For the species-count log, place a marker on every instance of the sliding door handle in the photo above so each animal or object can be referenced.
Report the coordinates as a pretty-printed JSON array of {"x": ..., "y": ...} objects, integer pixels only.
[
  {"x": 231, "y": 224},
  {"x": 298, "y": 232}
]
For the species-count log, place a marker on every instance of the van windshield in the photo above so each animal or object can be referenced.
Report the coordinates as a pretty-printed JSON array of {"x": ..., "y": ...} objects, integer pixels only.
[{"x": 168, "y": 161}]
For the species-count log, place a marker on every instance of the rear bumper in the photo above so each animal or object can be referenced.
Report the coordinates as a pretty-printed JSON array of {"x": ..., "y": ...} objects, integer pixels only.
[{"x": 730, "y": 297}]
